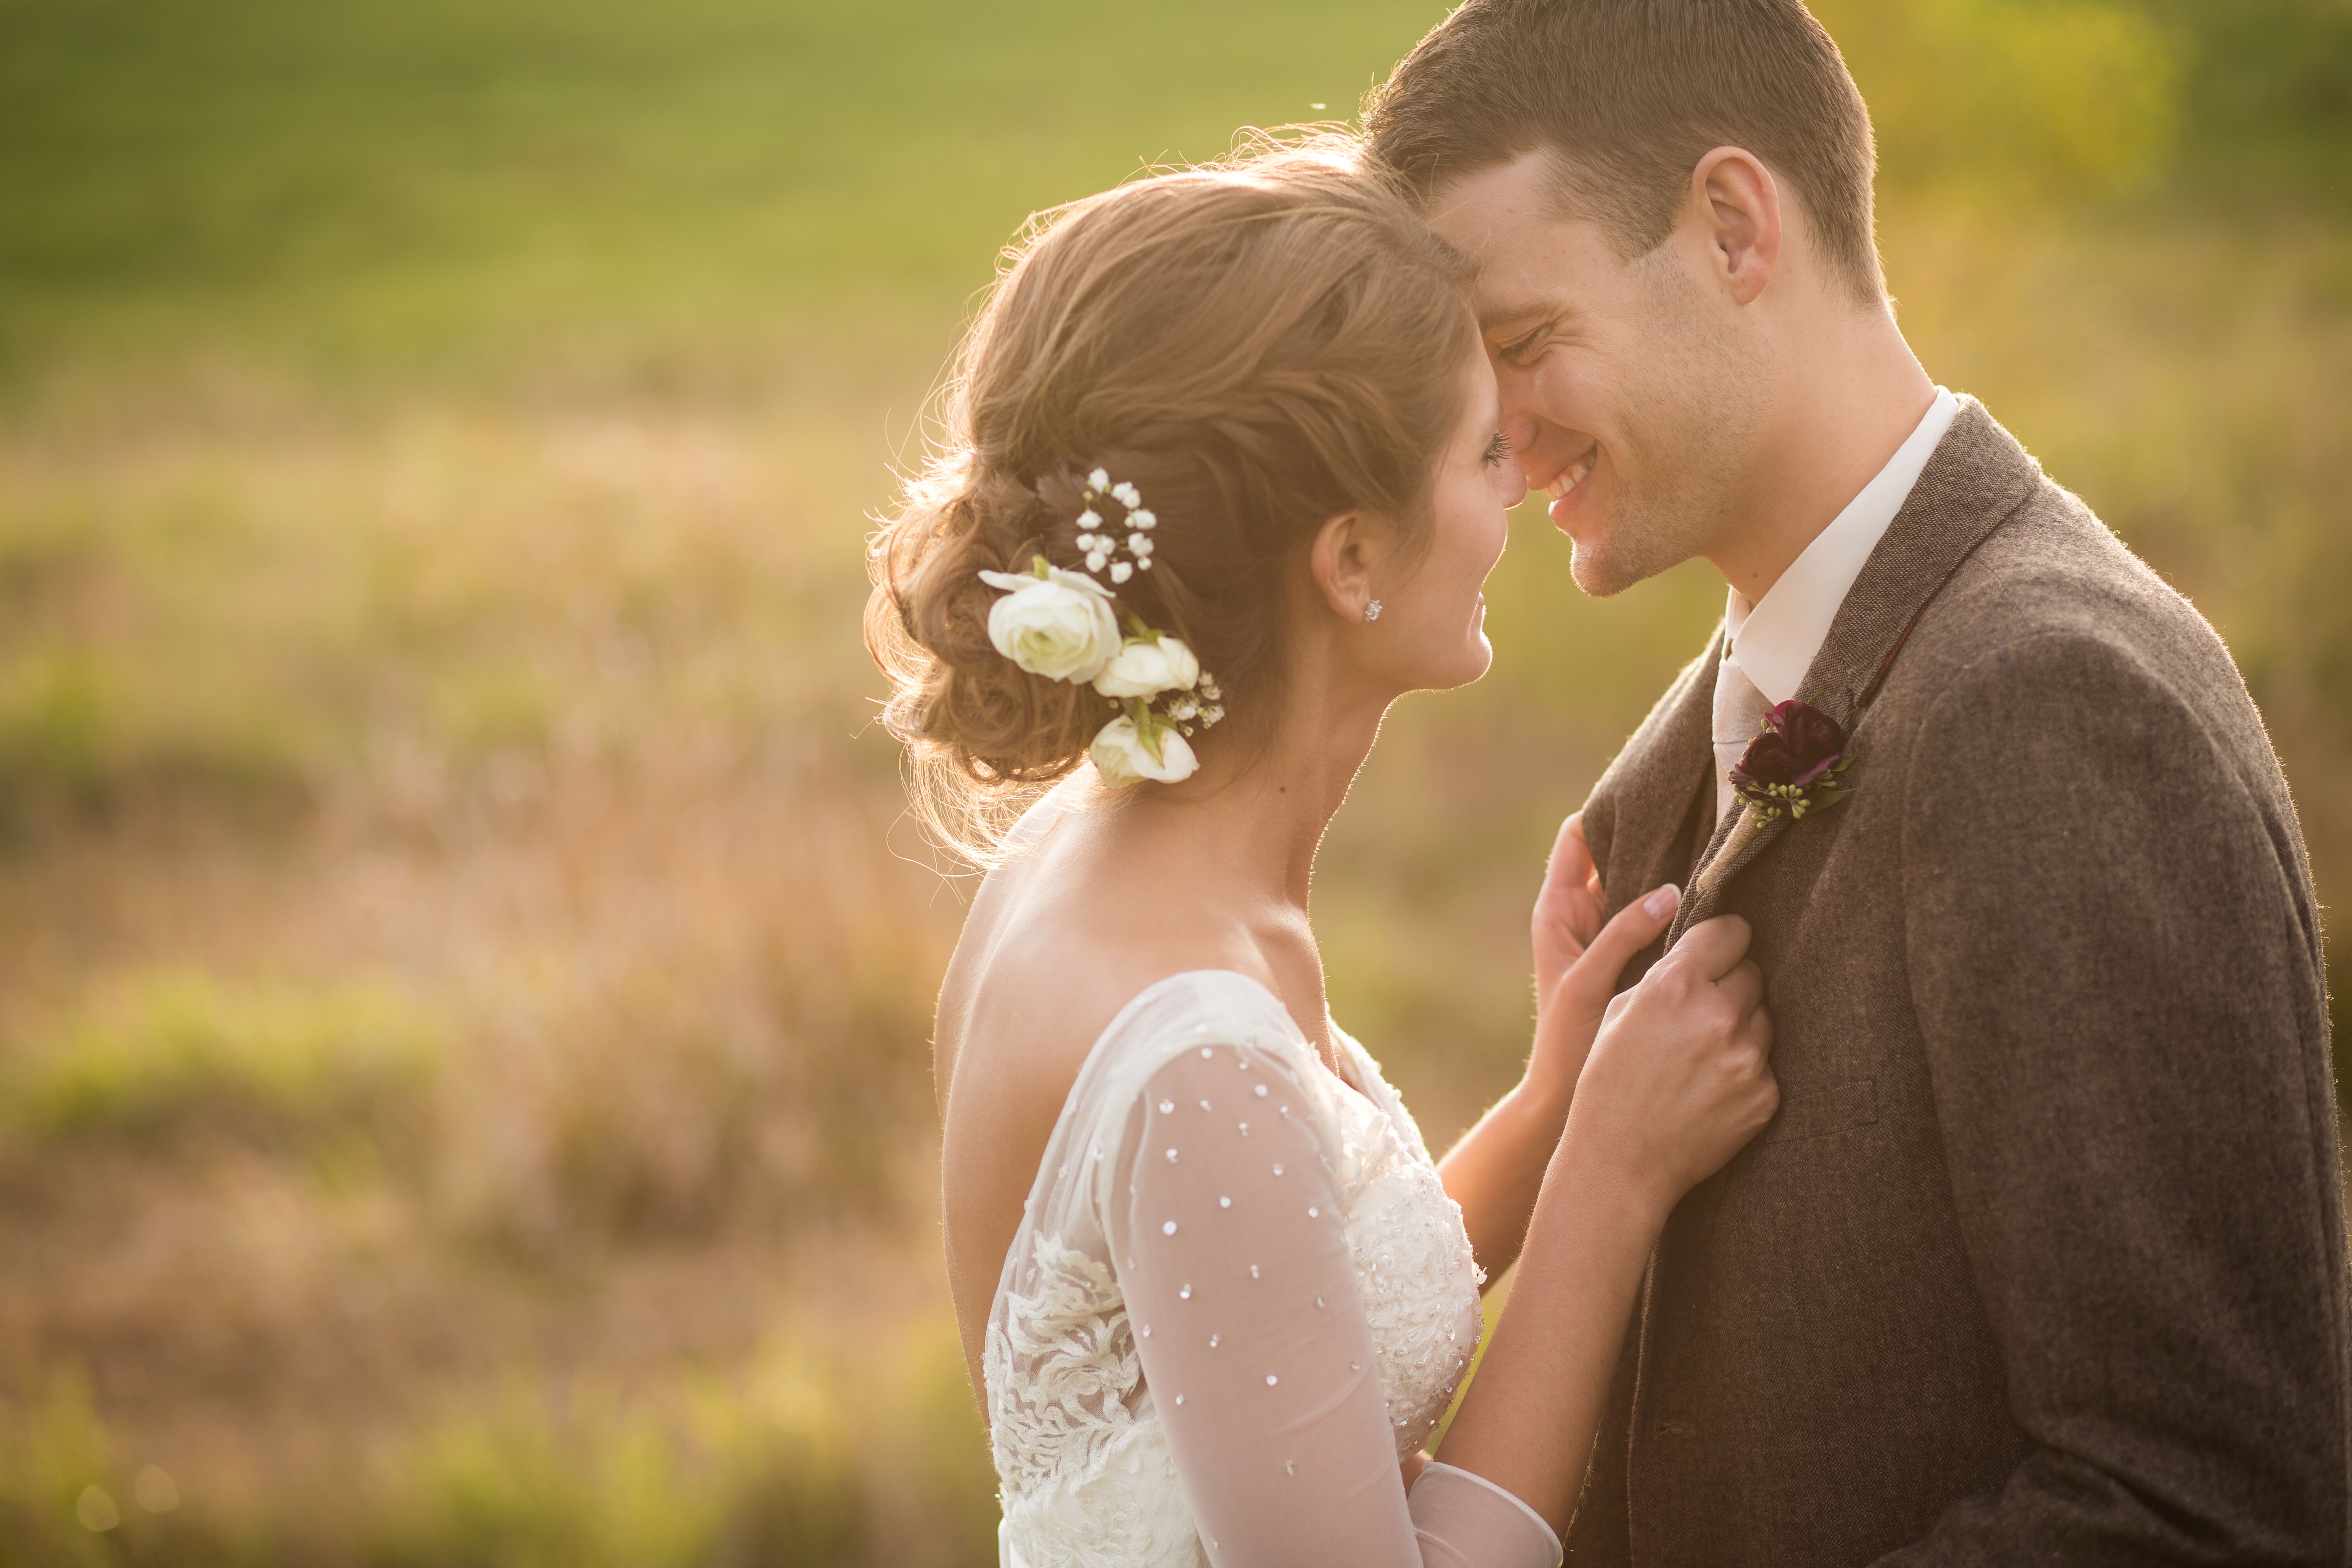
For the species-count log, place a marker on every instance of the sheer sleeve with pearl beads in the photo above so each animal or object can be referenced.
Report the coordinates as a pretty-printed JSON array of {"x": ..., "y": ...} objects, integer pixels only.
[{"x": 1227, "y": 1225}]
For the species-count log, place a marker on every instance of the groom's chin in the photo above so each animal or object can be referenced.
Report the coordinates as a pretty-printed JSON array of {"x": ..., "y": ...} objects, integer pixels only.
[
  {"x": 1600, "y": 572},
  {"x": 1633, "y": 548}
]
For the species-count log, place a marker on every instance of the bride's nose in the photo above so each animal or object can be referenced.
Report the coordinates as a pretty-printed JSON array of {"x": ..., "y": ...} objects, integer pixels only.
[
  {"x": 1520, "y": 428},
  {"x": 1511, "y": 482}
]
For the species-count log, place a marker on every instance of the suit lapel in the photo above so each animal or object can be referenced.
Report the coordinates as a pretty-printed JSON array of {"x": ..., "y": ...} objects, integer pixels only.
[
  {"x": 1977, "y": 476},
  {"x": 1739, "y": 839},
  {"x": 1637, "y": 811}
]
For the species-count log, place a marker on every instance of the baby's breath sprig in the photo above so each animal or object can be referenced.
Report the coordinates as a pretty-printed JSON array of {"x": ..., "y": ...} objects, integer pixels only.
[{"x": 1101, "y": 543}]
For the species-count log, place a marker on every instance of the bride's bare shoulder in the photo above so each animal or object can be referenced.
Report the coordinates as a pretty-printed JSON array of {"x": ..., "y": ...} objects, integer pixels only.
[
  {"x": 1033, "y": 1007},
  {"x": 1057, "y": 943}
]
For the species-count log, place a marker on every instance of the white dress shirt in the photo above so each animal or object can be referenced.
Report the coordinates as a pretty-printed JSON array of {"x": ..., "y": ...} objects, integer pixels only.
[{"x": 1774, "y": 641}]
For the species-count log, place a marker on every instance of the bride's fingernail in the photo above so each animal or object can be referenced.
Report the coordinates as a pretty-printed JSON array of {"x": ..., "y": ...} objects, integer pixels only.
[{"x": 1658, "y": 905}]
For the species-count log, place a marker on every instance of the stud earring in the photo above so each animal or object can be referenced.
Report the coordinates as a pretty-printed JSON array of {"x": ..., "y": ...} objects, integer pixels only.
[{"x": 1373, "y": 611}]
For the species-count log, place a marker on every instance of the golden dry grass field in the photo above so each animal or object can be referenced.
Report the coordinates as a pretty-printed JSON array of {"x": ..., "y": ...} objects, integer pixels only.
[{"x": 465, "y": 975}]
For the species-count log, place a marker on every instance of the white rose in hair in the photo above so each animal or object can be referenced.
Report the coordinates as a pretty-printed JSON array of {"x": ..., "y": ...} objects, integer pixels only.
[
  {"x": 1060, "y": 626},
  {"x": 1149, "y": 669},
  {"x": 1122, "y": 759}
]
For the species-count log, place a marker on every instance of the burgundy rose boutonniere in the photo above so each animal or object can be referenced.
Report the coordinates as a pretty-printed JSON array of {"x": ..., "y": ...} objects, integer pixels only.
[{"x": 1792, "y": 765}]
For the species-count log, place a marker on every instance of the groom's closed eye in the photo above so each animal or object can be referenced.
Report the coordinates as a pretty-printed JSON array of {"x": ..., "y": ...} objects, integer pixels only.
[{"x": 1516, "y": 351}]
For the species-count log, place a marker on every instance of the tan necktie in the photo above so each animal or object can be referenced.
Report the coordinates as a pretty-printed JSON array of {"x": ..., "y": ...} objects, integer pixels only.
[{"x": 1740, "y": 710}]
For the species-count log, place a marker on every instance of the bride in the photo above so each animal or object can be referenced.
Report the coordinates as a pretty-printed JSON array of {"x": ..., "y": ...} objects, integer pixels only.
[{"x": 1220, "y": 478}]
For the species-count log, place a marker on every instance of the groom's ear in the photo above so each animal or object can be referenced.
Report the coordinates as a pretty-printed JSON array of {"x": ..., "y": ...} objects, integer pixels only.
[
  {"x": 1339, "y": 561},
  {"x": 1737, "y": 203}
]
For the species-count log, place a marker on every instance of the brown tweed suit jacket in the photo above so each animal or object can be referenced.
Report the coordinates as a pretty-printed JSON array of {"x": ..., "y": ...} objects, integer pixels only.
[{"x": 2042, "y": 1259}]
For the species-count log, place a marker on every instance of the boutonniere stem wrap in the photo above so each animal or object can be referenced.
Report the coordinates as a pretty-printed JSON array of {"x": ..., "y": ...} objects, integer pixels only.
[
  {"x": 1794, "y": 765},
  {"x": 1063, "y": 625}
]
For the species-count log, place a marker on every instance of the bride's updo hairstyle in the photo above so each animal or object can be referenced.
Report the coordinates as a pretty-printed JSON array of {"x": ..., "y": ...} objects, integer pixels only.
[{"x": 1257, "y": 346}]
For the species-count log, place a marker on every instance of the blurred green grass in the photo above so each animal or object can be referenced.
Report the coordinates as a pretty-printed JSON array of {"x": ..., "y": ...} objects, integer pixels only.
[
  {"x": 181, "y": 1043},
  {"x": 396, "y": 186},
  {"x": 385, "y": 186},
  {"x": 464, "y": 976}
]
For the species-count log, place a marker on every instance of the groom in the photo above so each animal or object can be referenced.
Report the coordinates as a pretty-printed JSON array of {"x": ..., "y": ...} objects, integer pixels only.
[{"x": 2042, "y": 1260}]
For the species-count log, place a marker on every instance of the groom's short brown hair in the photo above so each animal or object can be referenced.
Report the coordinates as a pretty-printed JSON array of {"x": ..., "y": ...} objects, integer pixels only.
[{"x": 1630, "y": 95}]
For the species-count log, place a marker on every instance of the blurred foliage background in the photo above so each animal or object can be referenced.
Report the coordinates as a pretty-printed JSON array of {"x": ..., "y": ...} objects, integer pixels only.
[{"x": 465, "y": 980}]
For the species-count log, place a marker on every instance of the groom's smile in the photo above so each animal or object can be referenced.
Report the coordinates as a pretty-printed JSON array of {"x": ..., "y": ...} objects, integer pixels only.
[{"x": 1565, "y": 485}]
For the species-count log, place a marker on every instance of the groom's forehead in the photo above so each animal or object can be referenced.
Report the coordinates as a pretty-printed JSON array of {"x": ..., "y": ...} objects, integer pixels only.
[
  {"x": 1483, "y": 211},
  {"x": 1507, "y": 219}
]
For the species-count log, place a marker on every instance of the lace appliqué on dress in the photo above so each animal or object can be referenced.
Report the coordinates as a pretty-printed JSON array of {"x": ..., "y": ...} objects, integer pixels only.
[{"x": 1062, "y": 1370}]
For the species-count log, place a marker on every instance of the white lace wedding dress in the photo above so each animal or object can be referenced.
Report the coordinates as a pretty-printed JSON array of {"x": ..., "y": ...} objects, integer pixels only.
[{"x": 1239, "y": 1295}]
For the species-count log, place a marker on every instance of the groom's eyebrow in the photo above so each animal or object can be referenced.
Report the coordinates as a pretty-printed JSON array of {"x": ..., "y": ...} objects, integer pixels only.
[{"x": 1516, "y": 313}]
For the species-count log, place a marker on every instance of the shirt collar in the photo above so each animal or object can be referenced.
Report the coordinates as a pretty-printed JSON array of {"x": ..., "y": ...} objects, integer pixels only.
[{"x": 1774, "y": 641}]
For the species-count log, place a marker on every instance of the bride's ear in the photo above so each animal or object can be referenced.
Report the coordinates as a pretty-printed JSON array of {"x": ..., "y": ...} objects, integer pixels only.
[{"x": 1340, "y": 561}]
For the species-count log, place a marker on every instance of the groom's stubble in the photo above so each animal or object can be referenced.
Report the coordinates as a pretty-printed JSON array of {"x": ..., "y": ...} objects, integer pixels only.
[{"x": 1689, "y": 410}]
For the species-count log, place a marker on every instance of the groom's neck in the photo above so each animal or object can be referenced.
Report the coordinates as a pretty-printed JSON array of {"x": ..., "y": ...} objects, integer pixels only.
[{"x": 1848, "y": 391}]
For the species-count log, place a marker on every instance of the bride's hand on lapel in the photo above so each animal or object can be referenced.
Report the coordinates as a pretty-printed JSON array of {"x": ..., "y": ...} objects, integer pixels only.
[
  {"x": 1680, "y": 1079},
  {"x": 1579, "y": 959},
  {"x": 1568, "y": 911},
  {"x": 1497, "y": 1168}
]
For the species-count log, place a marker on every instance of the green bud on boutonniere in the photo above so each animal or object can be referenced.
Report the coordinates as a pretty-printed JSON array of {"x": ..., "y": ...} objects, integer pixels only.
[{"x": 1793, "y": 765}]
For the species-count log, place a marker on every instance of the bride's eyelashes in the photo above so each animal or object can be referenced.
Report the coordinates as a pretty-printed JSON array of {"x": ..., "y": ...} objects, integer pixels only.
[{"x": 1498, "y": 451}]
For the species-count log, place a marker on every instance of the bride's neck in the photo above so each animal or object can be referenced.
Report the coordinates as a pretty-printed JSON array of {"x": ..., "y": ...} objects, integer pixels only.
[{"x": 1254, "y": 814}]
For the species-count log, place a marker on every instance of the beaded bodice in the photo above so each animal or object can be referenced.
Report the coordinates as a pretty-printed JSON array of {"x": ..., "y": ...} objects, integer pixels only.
[{"x": 1089, "y": 1475}]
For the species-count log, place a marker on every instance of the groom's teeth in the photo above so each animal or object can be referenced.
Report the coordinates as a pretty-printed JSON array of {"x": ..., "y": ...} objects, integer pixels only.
[{"x": 1568, "y": 479}]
